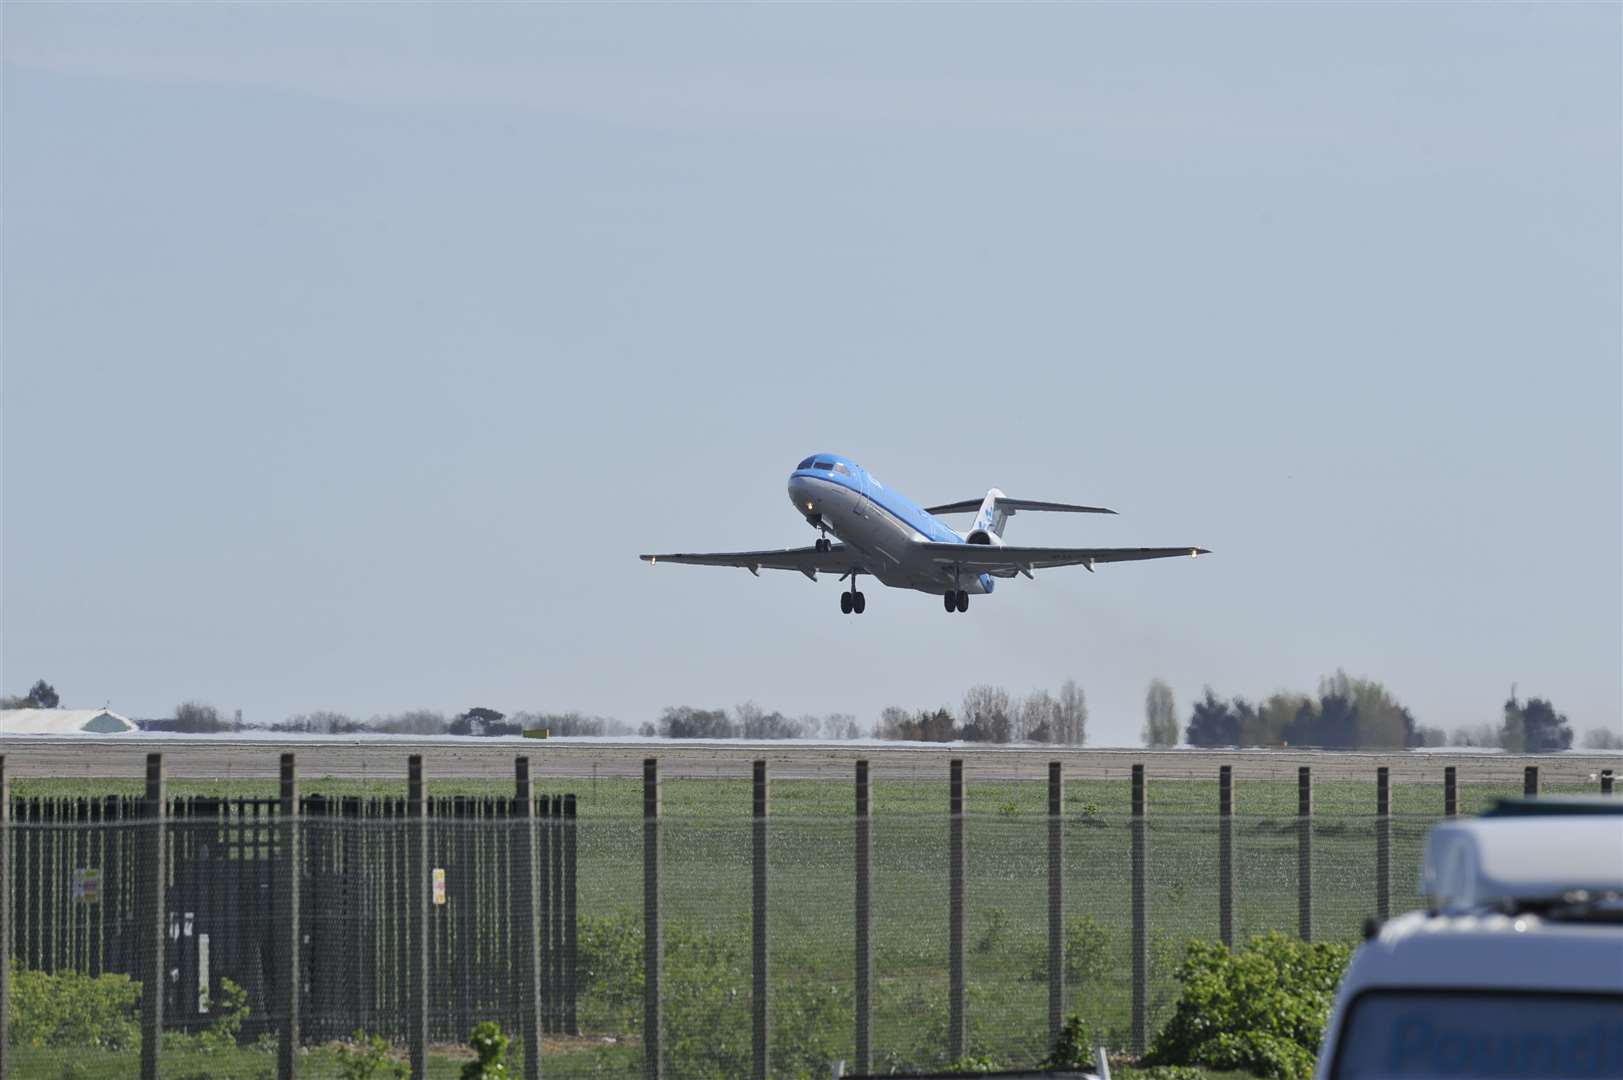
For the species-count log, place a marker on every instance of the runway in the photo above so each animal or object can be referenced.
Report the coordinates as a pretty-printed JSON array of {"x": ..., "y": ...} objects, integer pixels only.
[{"x": 255, "y": 756}]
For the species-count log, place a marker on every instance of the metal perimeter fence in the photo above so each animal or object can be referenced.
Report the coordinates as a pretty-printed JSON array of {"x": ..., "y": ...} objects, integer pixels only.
[{"x": 310, "y": 936}]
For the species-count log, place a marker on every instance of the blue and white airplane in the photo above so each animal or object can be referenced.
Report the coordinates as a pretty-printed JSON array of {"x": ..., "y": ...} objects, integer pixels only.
[{"x": 885, "y": 535}]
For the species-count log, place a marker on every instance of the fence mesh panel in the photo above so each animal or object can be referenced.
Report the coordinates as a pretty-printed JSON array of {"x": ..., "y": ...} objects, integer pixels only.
[{"x": 453, "y": 906}]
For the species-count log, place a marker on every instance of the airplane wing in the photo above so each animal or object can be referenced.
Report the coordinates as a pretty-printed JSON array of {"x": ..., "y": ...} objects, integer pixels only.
[
  {"x": 808, "y": 560},
  {"x": 969, "y": 506},
  {"x": 978, "y": 557}
]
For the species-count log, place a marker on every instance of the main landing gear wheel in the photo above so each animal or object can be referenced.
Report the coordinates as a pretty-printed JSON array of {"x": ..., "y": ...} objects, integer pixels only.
[
  {"x": 859, "y": 603},
  {"x": 823, "y": 544},
  {"x": 963, "y": 600},
  {"x": 951, "y": 599},
  {"x": 846, "y": 603}
]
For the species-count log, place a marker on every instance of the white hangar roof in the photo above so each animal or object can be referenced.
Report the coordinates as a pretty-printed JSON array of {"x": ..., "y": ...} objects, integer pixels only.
[{"x": 64, "y": 722}]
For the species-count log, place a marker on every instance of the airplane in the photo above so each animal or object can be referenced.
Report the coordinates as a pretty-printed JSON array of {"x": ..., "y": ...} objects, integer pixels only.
[{"x": 885, "y": 535}]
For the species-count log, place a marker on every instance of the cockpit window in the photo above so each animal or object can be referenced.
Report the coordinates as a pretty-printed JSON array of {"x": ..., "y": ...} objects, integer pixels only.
[
  {"x": 822, "y": 465},
  {"x": 804, "y": 464},
  {"x": 841, "y": 469}
]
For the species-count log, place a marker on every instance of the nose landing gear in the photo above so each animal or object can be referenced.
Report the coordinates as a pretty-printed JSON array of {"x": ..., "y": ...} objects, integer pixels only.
[{"x": 955, "y": 600}]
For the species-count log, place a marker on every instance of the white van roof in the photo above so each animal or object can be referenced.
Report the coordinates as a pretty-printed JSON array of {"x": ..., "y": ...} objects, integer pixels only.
[{"x": 1523, "y": 861}]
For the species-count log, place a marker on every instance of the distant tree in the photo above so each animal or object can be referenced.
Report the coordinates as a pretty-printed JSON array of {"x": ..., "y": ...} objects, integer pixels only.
[
  {"x": 194, "y": 717},
  {"x": 1071, "y": 723},
  {"x": 1535, "y": 728},
  {"x": 1266, "y": 724},
  {"x": 753, "y": 722},
  {"x": 1603, "y": 739},
  {"x": 482, "y": 721},
  {"x": 1487, "y": 735},
  {"x": 1212, "y": 722},
  {"x": 840, "y": 726},
  {"x": 320, "y": 722},
  {"x": 1430, "y": 736},
  {"x": 1039, "y": 719},
  {"x": 922, "y": 726},
  {"x": 1351, "y": 713},
  {"x": 648, "y": 730},
  {"x": 987, "y": 715},
  {"x": 685, "y": 722},
  {"x": 411, "y": 722},
  {"x": 1160, "y": 715},
  {"x": 42, "y": 695}
]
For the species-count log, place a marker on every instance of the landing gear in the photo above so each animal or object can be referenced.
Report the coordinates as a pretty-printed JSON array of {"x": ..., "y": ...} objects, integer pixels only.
[
  {"x": 955, "y": 600},
  {"x": 851, "y": 601},
  {"x": 823, "y": 544},
  {"x": 963, "y": 600}
]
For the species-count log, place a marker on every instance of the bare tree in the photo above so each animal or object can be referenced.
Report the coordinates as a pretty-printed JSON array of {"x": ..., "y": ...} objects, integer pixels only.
[
  {"x": 1160, "y": 715},
  {"x": 196, "y": 717},
  {"x": 1073, "y": 715},
  {"x": 1485, "y": 734},
  {"x": 840, "y": 726},
  {"x": 1039, "y": 719},
  {"x": 411, "y": 722},
  {"x": 987, "y": 716},
  {"x": 1603, "y": 739}
]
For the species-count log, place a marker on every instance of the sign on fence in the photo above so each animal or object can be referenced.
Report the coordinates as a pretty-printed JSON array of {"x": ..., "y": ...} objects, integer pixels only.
[
  {"x": 439, "y": 886},
  {"x": 86, "y": 885}
]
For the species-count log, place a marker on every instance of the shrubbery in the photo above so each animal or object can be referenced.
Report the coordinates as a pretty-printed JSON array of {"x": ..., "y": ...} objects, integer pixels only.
[
  {"x": 1261, "y": 1008},
  {"x": 74, "y": 1011}
]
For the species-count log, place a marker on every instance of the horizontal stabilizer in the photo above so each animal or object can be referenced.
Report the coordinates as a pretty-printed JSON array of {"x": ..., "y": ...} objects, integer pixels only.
[{"x": 1006, "y": 503}]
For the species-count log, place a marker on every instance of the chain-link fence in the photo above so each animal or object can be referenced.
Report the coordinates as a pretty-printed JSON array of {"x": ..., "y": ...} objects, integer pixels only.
[{"x": 686, "y": 945}]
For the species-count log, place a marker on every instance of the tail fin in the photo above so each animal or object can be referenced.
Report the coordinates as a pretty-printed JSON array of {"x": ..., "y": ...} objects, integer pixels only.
[{"x": 993, "y": 515}]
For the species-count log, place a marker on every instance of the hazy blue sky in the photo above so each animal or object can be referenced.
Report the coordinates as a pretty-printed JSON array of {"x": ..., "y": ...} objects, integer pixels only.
[{"x": 353, "y": 353}]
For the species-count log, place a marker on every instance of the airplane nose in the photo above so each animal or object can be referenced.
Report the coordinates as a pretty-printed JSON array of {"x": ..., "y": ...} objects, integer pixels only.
[{"x": 801, "y": 493}]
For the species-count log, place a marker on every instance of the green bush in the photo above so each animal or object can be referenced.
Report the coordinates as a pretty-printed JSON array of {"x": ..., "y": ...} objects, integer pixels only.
[
  {"x": 1072, "y": 1050},
  {"x": 370, "y": 1057},
  {"x": 74, "y": 1011},
  {"x": 1261, "y": 1008},
  {"x": 1087, "y": 954},
  {"x": 490, "y": 1045}
]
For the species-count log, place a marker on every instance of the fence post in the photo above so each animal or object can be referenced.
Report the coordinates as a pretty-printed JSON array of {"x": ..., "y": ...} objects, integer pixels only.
[
  {"x": 571, "y": 1021},
  {"x": 1304, "y": 852},
  {"x": 1056, "y": 900},
  {"x": 287, "y": 1049},
  {"x": 1225, "y": 854},
  {"x": 1605, "y": 780},
  {"x": 522, "y": 882},
  {"x": 1530, "y": 781},
  {"x": 1383, "y": 843},
  {"x": 5, "y": 920},
  {"x": 1451, "y": 791},
  {"x": 864, "y": 1001},
  {"x": 1141, "y": 928},
  {"x": 957, "y": 1028},
  {"x": 759, "y": 1002},
  {"x": 417, "y": 909},
  {"x": 155, "y": 877},
  {"x": 653, "y": 938}
]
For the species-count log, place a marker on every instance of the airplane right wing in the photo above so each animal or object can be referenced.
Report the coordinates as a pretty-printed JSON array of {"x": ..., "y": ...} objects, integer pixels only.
[{"x": 978, "y": 557}]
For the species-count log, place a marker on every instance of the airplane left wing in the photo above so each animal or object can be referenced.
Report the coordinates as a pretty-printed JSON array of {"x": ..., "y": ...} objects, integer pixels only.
[
  {"x": 986, "y": 557},
  {"x": 808, "y": 560}
]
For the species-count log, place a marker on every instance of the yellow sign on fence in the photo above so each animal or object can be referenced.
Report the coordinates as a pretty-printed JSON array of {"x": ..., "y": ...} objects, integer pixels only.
[
  {"x": 439, "y": 886},
  {"x": 86, "y": 885}
]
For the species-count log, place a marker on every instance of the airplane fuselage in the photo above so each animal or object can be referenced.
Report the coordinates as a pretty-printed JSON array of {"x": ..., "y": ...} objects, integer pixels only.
[{"x": 879, "y": 523}]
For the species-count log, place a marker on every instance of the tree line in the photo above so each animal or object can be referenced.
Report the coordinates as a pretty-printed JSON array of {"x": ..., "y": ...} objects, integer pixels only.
[
  {"x": 1352, "y": 713},
  {"x": 1346, "y": 713}
]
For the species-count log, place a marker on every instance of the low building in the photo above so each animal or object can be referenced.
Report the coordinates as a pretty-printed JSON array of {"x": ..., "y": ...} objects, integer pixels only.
[{"x": 64, "y": 722}]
